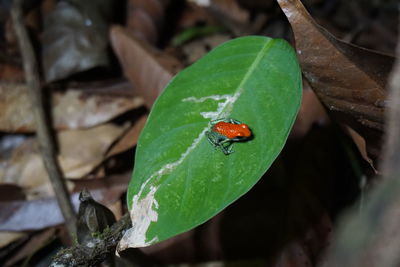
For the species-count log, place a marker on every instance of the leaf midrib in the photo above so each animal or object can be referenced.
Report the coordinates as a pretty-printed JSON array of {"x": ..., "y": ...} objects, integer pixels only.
[{"x": 253, "y": 66}]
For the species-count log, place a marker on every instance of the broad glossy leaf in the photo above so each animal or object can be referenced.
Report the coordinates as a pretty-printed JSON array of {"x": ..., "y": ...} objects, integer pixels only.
[{"x": 180, "y": 180}]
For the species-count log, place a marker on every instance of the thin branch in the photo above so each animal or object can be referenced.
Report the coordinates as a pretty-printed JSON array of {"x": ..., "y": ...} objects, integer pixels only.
[{"x": 43, "y": 131}]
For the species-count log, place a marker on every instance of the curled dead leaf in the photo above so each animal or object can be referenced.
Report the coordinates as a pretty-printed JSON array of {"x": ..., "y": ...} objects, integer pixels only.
[
  {"x": 35, "y": 243},
  {"x": 230, "y": 10},
  {"x": 234, "y": 17},
  {"x": 92, "y": 218},
  {"x": 7, "y": 238},
  {"x": 147, "y": 68},
  {"x": 129, "y": 139},
  {"x": 350, "y": 81},
  {"x": 72, "y": 109},
  {"x": 144, "y": 18},
  {"x": 75, "y": 37},
  {"x": 23, "y": 215},
  {"x": 80, "y": 152},
  {"x": 78, "y": 159}
]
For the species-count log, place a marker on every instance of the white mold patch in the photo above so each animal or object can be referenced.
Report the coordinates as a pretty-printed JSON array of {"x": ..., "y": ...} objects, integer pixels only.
[
  {"x": 142, "y": 214},
  {"x": 224, "y": 107},
  {"x": 144, "y": 208}
]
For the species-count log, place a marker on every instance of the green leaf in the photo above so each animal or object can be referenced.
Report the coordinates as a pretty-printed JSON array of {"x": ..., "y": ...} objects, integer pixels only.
[{"x": 180, "y": 180}]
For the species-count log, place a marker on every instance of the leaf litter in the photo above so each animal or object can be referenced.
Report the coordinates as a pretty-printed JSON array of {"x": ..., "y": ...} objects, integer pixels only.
[
  {"x": 80, "y": 153},
  {"x": 304, "y": 248},
  {"x": 71, "y": 109}
]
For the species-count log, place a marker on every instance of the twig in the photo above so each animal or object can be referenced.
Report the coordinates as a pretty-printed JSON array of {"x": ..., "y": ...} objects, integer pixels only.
[
  {"x": 81, "y": 255},
  {"x": 373, "y": 237},
  {"x": 43, "y": 131}
]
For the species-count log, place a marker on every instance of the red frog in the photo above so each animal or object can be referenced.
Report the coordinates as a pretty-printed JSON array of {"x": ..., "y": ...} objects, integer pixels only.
[{"x": 223, "y": 132}]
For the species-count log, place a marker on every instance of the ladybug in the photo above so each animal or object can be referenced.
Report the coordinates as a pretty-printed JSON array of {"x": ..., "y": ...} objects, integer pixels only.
[{"x": 223, "y": 132}]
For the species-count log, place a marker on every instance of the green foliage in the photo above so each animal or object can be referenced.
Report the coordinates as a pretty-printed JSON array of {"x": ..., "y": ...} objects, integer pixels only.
[{"x": 180, "y": 180}]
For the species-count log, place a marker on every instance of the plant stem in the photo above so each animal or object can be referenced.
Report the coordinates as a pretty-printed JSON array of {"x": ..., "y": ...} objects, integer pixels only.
[
  {"x": 81, "y": 255},
  {"x": 43, "y": 131}
]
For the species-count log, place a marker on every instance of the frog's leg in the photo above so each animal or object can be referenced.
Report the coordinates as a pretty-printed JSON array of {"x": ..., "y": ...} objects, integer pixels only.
[
  {"x": 213, "y": 122},
  {"x": 218, "y": 140},
  {"x": 227, "y": 149},
  {"x": 213, "y": 138},
  {"x": 226, "y": 146},
  {"x": 233, "y": 121}
]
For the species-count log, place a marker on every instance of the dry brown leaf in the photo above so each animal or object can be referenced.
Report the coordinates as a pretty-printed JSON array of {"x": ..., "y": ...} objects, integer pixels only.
[
  {"x": 232, "y": 15},
  {"x": 80, "y": 152},
  {"x": 15, "y": 111},
  {"x": 193, "y": 15},
  {"x": 72, "y": 109},
  {"x": 33, "y": 245},
  {"x": 144, "y": 18},
  {"x": 350, "y": 81},
  {"x": 11, "y": 73},
  {"x": 78, "y": 159},
  {"x": 148, "y": 69},
  {"x": 74, "y": 37},
  {"x": 24, "y": 161},
  {"x": 230, "y": 10},
  {"x": 129, "y": 139},
  {"x": 7, "y": 238},
  {"x": 359, "y": 141},
  {"x": 236, "y": 18},
  {"x": 116, "y": 209},
  {"x": 198, "y": 48},
  {"x": 34, "y": 214}
]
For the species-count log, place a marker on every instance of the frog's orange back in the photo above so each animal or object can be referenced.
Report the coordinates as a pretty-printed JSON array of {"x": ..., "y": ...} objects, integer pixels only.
[{"x": 231, "y": 130}]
